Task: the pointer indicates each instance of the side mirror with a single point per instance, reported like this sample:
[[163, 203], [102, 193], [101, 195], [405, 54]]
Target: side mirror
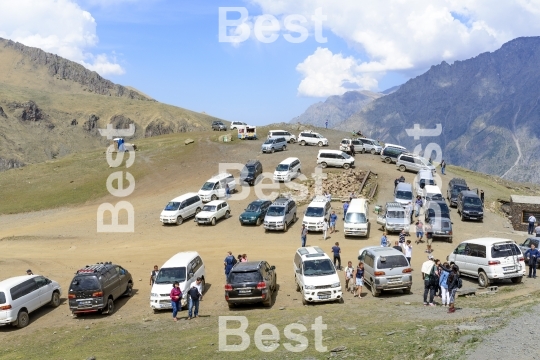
[[191, 274]]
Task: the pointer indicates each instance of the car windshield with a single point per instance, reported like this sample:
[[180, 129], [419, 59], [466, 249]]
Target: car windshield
[[170, 275], [434, 197], [244, 277], [404, 195], [355, 218], [2, 298], [393, 261], [253, 207], [396, 214], [282, 167], [427, 182], [472, 201], [209, 208], [457, 189], [208, 186], [82, 283], [269, 141], [173, 205], [318, 267], [249, 169], [504, 250], [315, 211], [275, 211]]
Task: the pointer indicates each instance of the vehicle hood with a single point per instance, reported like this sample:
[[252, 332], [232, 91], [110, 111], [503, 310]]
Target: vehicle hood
[[274, 218], [397, 221], [166, 288], [205, 192], [169, 213], [205, 214], [472, 208], [313, 219], [249, 214], [321, 280]]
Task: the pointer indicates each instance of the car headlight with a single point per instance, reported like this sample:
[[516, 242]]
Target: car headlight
[[465, 211], [334, 285], [480, 213], [309, 287], [280, 222], [253, 218]]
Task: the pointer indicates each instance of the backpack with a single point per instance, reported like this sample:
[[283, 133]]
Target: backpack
[[433, 278]]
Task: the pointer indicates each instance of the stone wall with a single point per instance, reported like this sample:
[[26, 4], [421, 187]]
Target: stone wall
[[516, 214]]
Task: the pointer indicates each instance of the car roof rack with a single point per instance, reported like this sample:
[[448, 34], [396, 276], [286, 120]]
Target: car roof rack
[[94, 268]]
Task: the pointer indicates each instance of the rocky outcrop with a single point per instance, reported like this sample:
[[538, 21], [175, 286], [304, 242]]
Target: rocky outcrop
[[2, 113], [74, 122], [6, 164], [91, 123], [158, 127], [29, 111], [121, 122]]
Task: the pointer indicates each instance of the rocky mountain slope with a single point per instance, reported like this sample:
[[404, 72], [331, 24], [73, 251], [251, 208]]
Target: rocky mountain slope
[[488, 107], [50, 107]]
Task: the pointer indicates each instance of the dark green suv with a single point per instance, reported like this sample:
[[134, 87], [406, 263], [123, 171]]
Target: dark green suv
[[255, 212]]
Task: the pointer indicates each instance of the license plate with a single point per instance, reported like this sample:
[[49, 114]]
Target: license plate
[[311, 228], [509, 268], [472, 218], [324, 297], [85, 302], [244, 291]]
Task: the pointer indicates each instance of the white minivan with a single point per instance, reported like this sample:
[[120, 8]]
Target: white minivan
[[315, 276], [21, 295], [317, 213], [423, 177], [334, 158], [184, 267], [282, 133], [214, 187], [432, 192], [357, 219], [288, 169], [181, 208]]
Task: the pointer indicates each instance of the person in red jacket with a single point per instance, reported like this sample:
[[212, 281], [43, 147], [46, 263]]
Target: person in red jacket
[[176, 296]]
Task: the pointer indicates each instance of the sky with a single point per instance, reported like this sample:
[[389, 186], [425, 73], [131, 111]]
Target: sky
[[264, 61]]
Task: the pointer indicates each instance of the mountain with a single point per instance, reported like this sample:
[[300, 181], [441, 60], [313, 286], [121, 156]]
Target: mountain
[[50, 107], [391, 90], [336, 108], [488, 107]]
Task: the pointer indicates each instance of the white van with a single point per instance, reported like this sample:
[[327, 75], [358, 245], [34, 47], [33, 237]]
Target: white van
[[423, 178], [357, 219], [181, 208], [317, 213], [214, 187], [334, 158], [21, 295], [315, 276], [432, 192], [288, 169], [403, 193], [184, 267], [282, 133]]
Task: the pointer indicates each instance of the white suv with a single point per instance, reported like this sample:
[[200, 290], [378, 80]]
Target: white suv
[[212, 212], [236, 124], [317, 213], [312, 138], [282, 133], [413, 162]]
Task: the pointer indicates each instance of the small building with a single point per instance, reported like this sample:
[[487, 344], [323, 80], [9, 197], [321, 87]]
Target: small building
[[520, 208]]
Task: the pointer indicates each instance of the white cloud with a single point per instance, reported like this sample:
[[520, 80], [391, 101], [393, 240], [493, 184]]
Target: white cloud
[[409, 36], [57, 26]]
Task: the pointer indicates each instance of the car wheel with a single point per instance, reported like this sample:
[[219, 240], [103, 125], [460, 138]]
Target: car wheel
[[374, 291], [272, 150], [129, 290], [292, 141], [268, 301], [320, 143], [55, 300], [303, 143], [298, 287], [407, 290], [22, 319], [259, 222], [231, 305], [517, 280], [346, 166], [283, 148], [285, 227], [304, 301], [324, 165], [213, 222], [483, 280], [179, 220], [388, 160], [214, 197], [227, 214], [373, 152], [294, 218], [402, 168], [110, 307], [197, 211]]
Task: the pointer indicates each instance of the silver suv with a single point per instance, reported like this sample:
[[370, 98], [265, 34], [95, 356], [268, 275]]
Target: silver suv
[[393, 218], [413, 162], [312, 138], [273, 144], [280, 215], [371, 146], [385, 269]]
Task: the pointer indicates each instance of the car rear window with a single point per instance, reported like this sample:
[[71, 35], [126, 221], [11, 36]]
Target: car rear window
[[83, 283], [504, 250], [244, 277], [392, 261], [2, 298]]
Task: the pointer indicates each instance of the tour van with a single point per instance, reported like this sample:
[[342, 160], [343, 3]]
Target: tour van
[[181, 208], [288, 169], [357, 219], [315, 276], [432, 192], [184, 267], [403, 193], [214, 187], [317, 213], [423, 177], [336, 158], [393, 218]]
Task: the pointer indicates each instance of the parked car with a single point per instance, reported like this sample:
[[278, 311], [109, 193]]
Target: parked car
[[21, 295], [218, 126], [212, 212], [255, 212], [470, 206], [526, 245], [385, 268], [423, 178], [489, 259], [336, 158], [215, 187], [441, 228], [436, 208], [413, 162], [181, 208], [371, 146], [251, 282], [312, 138], [391, 152], [317, 213], [393, 218], [236, 124], [345, 146], [455, 186], [280, 215], [357, 219], [96, 287], [273, 144], [288, 169], [403, 193], [251, 172], [282, 133]]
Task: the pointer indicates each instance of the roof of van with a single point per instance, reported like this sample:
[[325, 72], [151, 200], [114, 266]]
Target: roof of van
[[381, 251], [318, 201], [488, 241], [184, 197], [277, 130], [356, 204], [288, 160], [433, 189], [219, 177], [182, 258], [8, 283], [394, 204], [311, 252], [403, 186], [330, 151]]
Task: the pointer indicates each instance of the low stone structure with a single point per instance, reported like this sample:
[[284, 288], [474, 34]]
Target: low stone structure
[[520, 208]]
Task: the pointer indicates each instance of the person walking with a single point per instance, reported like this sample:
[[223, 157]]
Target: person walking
[[337, 255], [345, 209], [429, 236], [408, 251], [153, 275], [409, 212], [333, 219], [352, 149], [176, 296], [443, 278], [325, 228], [326, 124], [228, 263], [428, 274], [303, 235], [532, 221], [537, 230], [244, 258], [418, 205], [349, 271], [419, 232], [532, 256], [384, 240], [359, 279], [453, 285], [443, 167], [227, 191], [402, 238], [194, 295]]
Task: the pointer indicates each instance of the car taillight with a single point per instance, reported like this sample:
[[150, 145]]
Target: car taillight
[[261, 285], [521, 259], [5, 307], [228, 287], [494, 262], [379, 273], [407, 270], [98, 294], [71, 296], [450, 233]]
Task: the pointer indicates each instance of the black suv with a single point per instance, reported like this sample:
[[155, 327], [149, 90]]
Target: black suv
[[218, 125], [390, 154], [251, 171], [251, 282], [95, 287], [437, 208], [469, 206], [455, 186]]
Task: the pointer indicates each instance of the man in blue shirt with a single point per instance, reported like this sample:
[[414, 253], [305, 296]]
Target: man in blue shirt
[[229, 263], [333, 219], [337, 255], [532, 255], [384, 240], [345, 208]]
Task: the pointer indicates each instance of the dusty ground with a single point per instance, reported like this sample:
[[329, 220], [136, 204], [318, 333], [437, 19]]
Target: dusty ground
[[57, 242]]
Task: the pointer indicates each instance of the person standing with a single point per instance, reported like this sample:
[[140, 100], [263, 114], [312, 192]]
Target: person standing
[[153, 275], [453, 285], [408, 251], [337, 255], [419, 232], [345, 209], [328, 197], [352, 149], [349, 271], [443, 167], [397, 246], [29, 272], [244, 258], [325, 228], [532, 221], [402, 238], [482, 196], [384, 240], [326, 123], [409, 212], [333, 219], [428, 274], [443, 278], [176, 296], [532, 256], [418, 204], [303, 235], [194, 295], [227, 191], [229, 263], [359, 279], [429, 236], [438, 273]]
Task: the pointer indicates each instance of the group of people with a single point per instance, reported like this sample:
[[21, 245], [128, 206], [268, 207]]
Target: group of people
[[442, 280], [230, 261], [401, 245], [532, 229], [355, 287]]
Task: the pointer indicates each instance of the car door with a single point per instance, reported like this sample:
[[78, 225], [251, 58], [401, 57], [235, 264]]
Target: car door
[[381, 218], [44, 290], [122, 280], [26, 295], [112, 284], [461, 254]]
